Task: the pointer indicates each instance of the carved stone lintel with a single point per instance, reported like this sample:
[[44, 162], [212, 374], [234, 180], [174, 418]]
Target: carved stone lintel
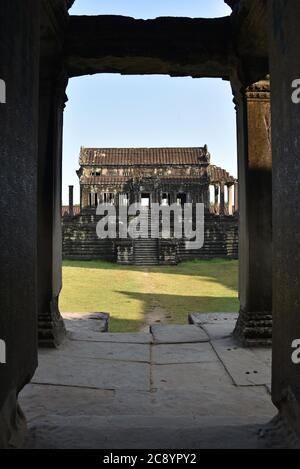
[[259, 90], [254, 329], [256, 91]]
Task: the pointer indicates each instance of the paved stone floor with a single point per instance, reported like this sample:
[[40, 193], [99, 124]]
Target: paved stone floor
[[174, 387]]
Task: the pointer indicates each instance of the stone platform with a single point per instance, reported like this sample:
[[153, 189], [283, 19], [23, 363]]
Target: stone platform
[[174, 387]]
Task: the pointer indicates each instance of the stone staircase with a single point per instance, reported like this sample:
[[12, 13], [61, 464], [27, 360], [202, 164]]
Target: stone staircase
[[146, 251]]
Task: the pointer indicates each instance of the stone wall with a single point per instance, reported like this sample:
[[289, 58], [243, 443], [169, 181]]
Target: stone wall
[[221, 235], [80, 242]]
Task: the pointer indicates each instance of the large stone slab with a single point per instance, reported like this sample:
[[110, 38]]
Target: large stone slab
[[175, 334], [190, 377], [78, 322], [38, 401], [103, 350], [200, 319], [245, 367], [125, 337], [183, 353], [263, 354], [61, 370], [216, 325]]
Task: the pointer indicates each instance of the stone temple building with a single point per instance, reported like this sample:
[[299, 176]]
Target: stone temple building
[[166, 176], [147, 175], [256, 49]]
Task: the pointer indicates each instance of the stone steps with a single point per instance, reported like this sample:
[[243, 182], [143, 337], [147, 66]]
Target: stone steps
[[136, 431], [145, 252]]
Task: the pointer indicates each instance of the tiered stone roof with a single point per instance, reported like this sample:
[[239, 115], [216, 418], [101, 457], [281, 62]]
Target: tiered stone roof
[[143, 156]]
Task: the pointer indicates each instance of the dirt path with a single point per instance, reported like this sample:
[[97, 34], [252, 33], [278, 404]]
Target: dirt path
[[157, 314]]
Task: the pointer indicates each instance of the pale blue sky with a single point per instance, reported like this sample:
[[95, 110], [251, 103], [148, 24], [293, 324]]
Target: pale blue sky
[[135, 111]]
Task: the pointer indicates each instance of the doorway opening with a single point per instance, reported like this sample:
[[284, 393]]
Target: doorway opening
[[145, 199], [148, 153], [152, 340]]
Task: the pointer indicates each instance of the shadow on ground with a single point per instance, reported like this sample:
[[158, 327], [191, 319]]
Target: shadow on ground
[[138, 296]]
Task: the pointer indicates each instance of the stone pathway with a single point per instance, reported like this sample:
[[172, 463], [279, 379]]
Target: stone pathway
[[157, 314], [173, 387]]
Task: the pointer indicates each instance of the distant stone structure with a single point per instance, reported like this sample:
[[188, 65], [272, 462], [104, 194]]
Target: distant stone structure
[[122, 176]]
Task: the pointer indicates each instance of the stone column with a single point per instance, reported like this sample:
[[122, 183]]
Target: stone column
[[19, 68], [254, 325], [49, 246], [85, 198], [222, 198], [81, 201], [101, 197], [216, 198], [173, 197], [160, 196], [71, 200], [156, 196], [230, 199], [284, 42], [236, 197]]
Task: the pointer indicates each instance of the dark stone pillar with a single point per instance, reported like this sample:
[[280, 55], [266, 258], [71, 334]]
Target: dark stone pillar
[[71, 200], [222, 198], [254, 325], [84, 197], [285, 68], [173, 197], [53, 82], [52, 99], [19, 68], [216, 198], [236, 197]]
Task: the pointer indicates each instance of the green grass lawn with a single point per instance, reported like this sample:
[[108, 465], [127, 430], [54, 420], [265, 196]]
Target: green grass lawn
[[133, 295]]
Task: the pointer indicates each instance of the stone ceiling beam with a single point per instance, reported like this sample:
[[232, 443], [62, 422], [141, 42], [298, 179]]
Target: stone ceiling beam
[[250, 30], [171, 46]]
